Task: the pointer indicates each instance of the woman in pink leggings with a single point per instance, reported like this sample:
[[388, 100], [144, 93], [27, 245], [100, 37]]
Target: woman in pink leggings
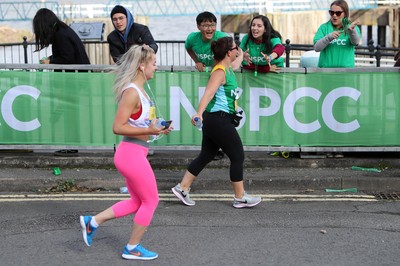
[[135, 123]]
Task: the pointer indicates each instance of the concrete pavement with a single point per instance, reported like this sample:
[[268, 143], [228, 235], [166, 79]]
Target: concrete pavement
[[93, 170]]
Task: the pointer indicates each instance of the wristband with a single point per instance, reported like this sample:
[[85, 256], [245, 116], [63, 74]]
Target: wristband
[[270, 58]]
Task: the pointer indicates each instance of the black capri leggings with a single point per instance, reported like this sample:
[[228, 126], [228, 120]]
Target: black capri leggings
[[219, 133]]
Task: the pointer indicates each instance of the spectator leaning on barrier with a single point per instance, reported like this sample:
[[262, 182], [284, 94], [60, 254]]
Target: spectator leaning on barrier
[[127, 33], [66, 46], [337, 38], [198, 44], [262, 47], [336, 41], [262, 50]]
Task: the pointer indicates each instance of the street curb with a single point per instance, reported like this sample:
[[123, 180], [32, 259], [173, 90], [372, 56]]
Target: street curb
[[180, 159], [34, 172]]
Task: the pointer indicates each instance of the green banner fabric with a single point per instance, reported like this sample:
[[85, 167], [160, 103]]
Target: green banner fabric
[[286, 109], [56, 108]]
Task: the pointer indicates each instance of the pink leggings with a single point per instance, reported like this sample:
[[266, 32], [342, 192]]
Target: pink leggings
[[130, 160]]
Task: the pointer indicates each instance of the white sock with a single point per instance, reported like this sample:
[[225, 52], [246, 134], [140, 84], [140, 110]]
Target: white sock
[[239, 198], [130, 247], [93, 222]]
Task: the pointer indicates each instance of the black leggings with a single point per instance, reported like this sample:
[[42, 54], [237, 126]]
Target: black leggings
[[219, 133]]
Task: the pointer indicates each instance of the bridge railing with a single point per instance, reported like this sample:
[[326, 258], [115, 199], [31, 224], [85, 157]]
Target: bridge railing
[[26, 9]]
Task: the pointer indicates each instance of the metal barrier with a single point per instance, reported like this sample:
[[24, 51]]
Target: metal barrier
[[173, 54], [170, 53], [165, 68], [386, 92], [369, 54]]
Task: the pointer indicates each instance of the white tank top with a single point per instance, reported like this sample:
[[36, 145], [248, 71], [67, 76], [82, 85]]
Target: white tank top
[[144, 119]]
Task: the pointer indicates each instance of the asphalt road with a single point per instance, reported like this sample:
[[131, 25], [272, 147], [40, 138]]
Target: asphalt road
[[282, 230]]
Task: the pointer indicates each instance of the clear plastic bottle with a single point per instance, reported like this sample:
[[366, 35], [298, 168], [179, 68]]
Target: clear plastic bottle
[[161, 123], [198, 123], [123, 190]]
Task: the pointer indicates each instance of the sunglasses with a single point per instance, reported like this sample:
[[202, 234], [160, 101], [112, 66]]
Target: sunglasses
[[236, 47], [337, 13]]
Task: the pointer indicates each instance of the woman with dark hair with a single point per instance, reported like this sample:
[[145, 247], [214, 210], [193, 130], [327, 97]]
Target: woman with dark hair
[[337, 38], [217, 110], [262, 47], [66, 46]]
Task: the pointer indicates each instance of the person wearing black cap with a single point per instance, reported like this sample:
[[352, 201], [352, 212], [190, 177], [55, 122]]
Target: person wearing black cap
[[127, 33]]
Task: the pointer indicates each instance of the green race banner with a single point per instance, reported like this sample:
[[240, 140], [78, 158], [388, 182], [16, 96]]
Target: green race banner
[[56, 108], [286, 109]]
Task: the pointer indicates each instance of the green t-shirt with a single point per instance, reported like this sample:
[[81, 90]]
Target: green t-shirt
[[255, 51], [340, 52], [226, 95], [201, 48]]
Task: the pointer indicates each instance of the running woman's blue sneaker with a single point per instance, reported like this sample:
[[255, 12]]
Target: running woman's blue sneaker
[[139, 253], [87, 229]]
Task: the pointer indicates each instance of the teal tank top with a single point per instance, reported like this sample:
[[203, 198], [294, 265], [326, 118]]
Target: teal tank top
[[226, 95]]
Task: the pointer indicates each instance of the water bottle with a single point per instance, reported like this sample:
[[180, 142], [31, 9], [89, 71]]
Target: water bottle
[[197, 122], [123, 190], [161, 123]]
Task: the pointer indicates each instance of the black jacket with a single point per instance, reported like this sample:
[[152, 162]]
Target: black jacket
[[138, 34], [67, 48]]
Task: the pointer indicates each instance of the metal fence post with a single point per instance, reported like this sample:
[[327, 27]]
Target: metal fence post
[[25, 45], [287, 51], [371, 48], [378, 55]]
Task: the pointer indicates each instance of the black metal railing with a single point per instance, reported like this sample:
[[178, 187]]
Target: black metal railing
[[173, 53], [370, 51]]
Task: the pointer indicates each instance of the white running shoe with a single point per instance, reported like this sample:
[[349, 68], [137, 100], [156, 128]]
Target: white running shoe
[[183, 195], [246, 202]]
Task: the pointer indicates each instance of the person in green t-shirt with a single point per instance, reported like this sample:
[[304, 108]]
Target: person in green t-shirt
[[337, 38], [198, 44], [262, 47]]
